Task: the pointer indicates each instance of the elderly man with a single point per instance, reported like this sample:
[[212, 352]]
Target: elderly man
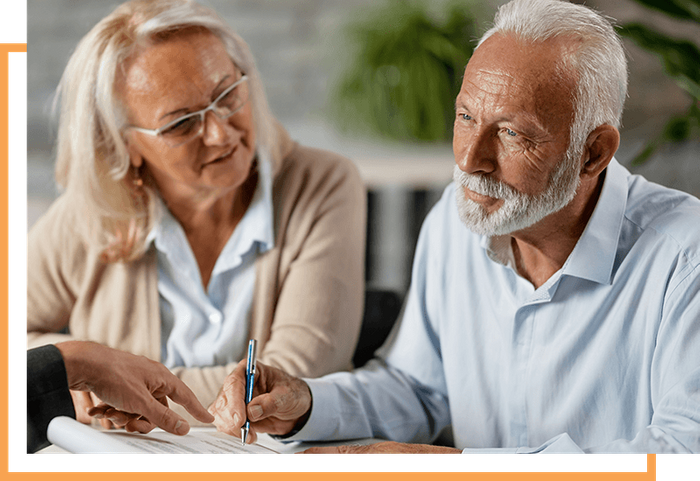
[[554, 304]]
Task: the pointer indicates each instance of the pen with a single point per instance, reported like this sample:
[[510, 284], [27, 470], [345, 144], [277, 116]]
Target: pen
[[249, 383]]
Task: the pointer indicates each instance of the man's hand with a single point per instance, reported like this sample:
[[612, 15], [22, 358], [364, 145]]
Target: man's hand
[[133, 389], [84, 404], [388, 447], [279, 401]]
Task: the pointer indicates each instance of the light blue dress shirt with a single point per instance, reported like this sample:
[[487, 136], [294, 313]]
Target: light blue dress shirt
[[210, 327], [604, 357]]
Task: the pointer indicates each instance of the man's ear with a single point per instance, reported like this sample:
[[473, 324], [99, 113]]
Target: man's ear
[[601, 145]]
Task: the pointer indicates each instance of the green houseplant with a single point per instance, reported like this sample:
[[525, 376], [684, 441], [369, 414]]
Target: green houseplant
[[681, 60], [405, 71]]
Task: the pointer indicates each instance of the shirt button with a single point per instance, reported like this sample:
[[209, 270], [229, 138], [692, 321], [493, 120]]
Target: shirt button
[[215, 317]]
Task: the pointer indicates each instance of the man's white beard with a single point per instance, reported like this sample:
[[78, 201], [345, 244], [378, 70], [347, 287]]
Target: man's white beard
[[518, 210]]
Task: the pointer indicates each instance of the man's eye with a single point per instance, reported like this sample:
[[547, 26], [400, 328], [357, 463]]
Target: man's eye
[[510, 132], [466, 117]]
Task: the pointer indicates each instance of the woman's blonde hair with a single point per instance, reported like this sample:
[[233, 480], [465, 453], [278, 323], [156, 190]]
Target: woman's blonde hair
[[113, 212]]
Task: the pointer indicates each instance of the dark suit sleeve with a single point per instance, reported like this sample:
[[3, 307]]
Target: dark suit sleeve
[[47, 394]]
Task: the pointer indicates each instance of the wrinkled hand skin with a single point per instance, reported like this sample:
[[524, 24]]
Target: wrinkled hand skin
[[279, 401], [387, 447]]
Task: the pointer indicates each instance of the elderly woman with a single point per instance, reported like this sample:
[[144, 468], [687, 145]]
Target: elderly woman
[[190, 222]]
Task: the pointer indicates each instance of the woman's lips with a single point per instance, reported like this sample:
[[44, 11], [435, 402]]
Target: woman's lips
[[221, 159]]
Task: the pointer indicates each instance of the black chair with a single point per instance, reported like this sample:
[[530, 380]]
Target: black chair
[[382, 308]]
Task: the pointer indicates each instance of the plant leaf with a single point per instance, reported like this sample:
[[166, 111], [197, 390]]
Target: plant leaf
[[681, 58], [405, 73], [682, 9]]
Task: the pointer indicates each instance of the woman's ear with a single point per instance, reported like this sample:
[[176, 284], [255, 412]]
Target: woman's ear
[[135, 157], [601, 145]]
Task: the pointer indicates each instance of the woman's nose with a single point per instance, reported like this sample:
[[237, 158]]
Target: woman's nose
[[215, 130]]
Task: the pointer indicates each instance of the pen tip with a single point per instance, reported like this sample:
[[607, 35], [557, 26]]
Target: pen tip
[[244, 435]]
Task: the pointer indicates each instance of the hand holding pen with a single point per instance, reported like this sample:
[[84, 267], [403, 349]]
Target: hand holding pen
[[249, 383], [281, 404]]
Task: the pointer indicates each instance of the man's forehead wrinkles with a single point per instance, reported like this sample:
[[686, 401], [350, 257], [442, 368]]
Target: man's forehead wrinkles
[[497, 81]]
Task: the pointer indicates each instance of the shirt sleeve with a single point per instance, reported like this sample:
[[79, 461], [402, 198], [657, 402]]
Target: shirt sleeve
[[50, 292], [374, 401], [47, 394]]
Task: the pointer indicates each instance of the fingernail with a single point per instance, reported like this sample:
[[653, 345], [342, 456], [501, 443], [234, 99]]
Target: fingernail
[[182, 427], [98, 416], [236, 419], [220, 403], [255, 412]]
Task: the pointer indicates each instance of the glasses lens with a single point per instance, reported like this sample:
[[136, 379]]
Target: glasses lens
[[182, 130], [232, 101], [186, 128]]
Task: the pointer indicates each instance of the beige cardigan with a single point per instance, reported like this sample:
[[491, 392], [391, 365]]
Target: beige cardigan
[[308, 299]]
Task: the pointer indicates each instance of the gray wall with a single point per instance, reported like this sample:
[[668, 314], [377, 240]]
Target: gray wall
[[299, 50]]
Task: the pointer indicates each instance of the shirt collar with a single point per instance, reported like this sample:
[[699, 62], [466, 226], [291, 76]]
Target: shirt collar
[[499, 249], [256, 226], [593, 256], [257, 223]]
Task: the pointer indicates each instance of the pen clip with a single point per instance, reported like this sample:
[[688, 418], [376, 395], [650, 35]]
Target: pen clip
[[250, 370], [252, 355]]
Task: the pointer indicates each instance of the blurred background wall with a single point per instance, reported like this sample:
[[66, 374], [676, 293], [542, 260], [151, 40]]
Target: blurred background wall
[[300, 50]]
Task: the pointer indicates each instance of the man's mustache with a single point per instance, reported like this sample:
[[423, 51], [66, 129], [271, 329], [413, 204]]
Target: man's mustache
[[484, 185]]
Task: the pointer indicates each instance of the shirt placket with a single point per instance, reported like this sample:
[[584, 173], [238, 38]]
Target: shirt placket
[[522, 347], [521, 369]]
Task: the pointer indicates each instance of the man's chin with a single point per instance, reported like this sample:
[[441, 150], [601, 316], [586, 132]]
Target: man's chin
[[477, 219], [496, 223]]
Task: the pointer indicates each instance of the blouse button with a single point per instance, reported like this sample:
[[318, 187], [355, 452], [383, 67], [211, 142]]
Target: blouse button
[[215, 317]]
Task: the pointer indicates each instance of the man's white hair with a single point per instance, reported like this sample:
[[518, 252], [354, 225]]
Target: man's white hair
[[92, 163], [597, 59]]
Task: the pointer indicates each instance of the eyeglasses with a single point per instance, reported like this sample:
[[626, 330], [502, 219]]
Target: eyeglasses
[[190, 126]]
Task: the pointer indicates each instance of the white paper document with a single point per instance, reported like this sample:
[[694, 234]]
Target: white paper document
[[75, 437]]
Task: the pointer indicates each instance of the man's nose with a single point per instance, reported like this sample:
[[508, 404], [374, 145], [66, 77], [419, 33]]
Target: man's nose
[[475, 151]]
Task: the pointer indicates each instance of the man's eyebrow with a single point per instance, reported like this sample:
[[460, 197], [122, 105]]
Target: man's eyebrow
[[531, 121], [459, 102]]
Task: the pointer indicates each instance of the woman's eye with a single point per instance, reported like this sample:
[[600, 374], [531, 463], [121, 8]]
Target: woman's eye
[[182, 127], [231, 100]]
